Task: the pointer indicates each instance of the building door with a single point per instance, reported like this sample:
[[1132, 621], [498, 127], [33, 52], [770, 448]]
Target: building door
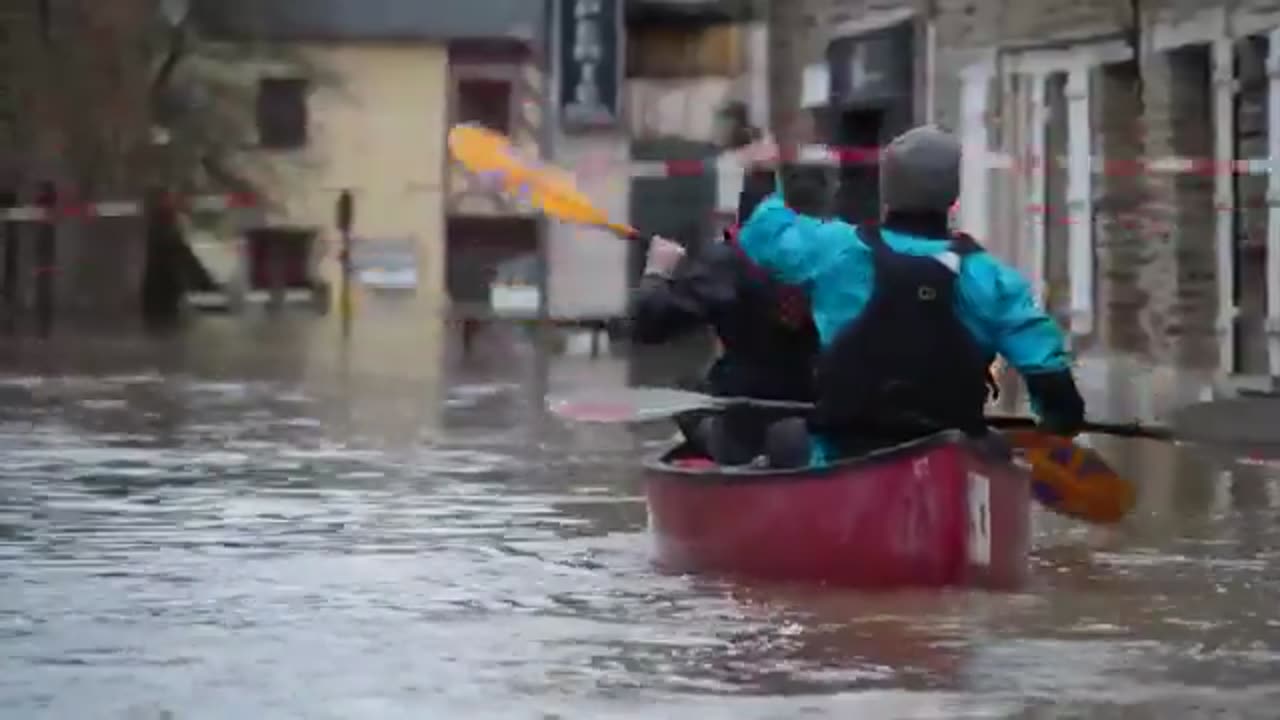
[[476, 247], [680, 208], [1251, 208]]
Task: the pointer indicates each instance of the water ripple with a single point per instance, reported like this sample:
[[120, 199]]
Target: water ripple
[[186, 548]]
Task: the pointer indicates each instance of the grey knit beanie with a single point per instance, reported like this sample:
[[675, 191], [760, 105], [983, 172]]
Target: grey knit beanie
[[920, 171]]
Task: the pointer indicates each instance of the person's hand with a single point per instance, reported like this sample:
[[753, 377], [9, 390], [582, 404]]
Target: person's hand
[[1056, 400], [761, 154], [663, 256]]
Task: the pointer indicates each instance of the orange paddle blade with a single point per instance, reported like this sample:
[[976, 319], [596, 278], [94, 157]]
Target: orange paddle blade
[[1073, 480], [492, 156]]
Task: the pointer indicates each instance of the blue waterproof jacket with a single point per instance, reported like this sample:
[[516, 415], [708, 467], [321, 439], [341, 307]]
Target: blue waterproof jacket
[[993, 300]]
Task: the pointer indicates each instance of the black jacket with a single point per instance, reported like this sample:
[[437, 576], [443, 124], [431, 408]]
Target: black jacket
[[767, 333]]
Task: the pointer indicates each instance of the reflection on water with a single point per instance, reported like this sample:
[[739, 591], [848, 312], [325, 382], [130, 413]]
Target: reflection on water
[[250, 521]]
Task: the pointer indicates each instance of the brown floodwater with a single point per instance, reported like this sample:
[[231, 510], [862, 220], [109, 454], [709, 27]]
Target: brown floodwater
[[254, 519]]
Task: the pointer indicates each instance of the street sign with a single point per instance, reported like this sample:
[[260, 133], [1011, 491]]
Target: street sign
[[590, 63], [385, 263], [345, 211], [874, 67]]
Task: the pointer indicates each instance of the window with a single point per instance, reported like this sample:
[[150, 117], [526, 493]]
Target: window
[[279, 255], [282, 113], [485, 102]]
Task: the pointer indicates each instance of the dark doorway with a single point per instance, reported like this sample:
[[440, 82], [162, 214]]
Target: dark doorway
[[1251, 209], [678, 207], [476, 247], [858, 197], [9, 274]]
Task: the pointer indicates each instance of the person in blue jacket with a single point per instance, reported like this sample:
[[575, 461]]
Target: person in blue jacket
[[910, 316]]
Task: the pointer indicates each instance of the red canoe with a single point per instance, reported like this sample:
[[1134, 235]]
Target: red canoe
[[941, 511]]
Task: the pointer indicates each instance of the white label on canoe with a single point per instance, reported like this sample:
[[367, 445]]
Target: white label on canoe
[[979, 519]]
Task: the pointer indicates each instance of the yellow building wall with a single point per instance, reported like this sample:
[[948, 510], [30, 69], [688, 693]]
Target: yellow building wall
[[376, 126]]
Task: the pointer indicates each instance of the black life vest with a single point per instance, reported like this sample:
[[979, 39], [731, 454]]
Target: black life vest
[[791, 303], [906, 366]]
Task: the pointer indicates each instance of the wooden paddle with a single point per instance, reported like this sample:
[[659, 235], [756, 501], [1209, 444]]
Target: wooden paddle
[[649, 404], [1069, 479], [633, 405], [491, 155]]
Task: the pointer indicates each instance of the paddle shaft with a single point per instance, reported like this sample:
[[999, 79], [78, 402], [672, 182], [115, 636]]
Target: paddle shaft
[[724, 402], [625, 232], [1131, 430]]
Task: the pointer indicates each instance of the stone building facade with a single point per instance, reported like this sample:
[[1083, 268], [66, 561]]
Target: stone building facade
[[1115, 149]]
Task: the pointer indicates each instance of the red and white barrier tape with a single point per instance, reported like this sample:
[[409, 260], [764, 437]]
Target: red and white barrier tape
[[836, 157], [126, 208], [821, 155]]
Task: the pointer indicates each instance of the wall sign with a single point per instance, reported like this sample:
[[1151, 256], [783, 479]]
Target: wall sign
[[590, 63], [386, 263], [874, 67]]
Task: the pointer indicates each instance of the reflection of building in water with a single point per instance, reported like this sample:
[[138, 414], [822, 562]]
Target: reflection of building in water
[[391, 367]]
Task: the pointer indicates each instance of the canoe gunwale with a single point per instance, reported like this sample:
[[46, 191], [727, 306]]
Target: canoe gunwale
[[657, 464]]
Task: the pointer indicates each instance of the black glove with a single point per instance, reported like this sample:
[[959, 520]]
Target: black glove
[[1057, 401]]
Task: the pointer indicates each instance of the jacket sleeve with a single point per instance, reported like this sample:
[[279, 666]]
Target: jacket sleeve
[[1028, 338], [794, 248], [756, 186], [662, 309], [702, 285]]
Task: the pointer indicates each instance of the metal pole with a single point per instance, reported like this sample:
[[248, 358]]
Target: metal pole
[[546, 150], [345, 212], [346, 282], [46, 258]]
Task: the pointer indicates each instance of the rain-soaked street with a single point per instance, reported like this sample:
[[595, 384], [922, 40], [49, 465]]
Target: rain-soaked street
[[246, 522]]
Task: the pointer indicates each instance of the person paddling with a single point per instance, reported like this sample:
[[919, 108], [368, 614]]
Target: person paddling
[[767, 338], [909, 315]]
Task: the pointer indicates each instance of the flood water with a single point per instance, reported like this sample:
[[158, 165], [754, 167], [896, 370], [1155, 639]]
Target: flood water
[[250, 522]]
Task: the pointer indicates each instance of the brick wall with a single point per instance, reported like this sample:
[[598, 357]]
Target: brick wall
[[1120, 198], [1179, 121], [1155, 273]]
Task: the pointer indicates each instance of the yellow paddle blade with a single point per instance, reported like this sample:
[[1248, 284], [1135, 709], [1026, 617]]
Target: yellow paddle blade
[[483, 151], [492, 156], [1073, 480], [555, 192]]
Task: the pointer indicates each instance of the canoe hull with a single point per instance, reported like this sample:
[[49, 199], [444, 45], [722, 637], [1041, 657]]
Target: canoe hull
[[938, 512]]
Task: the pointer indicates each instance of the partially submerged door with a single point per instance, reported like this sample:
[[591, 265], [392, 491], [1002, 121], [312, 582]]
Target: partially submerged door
[[680, 207], [477, 247]]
